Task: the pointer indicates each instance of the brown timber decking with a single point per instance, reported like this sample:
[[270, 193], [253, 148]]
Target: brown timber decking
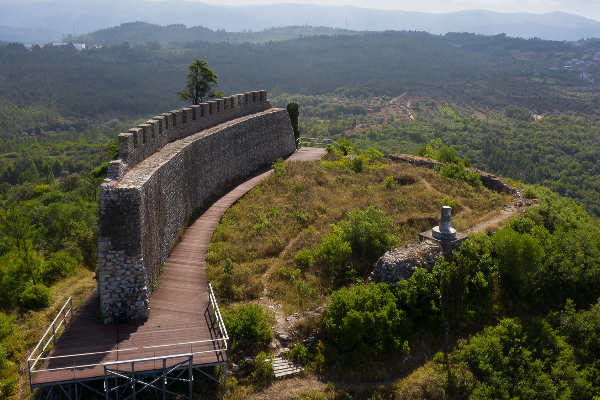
[[179, 310]]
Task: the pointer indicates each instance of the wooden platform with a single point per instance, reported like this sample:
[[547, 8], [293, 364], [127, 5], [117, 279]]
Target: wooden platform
[[179, 310], [283, 367]]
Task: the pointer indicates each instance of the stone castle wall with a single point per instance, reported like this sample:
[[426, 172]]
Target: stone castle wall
[[163, 175]]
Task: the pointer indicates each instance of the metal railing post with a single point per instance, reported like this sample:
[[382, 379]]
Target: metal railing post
[[164, 379], [54, 334], [133, 379], [190, 373], [29, 369], [105, 384]]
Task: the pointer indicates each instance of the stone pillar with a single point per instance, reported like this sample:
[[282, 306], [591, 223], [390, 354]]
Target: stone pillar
[[444, 231], [445, 219]]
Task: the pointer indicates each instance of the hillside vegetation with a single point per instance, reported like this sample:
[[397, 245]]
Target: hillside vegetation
[[305, 230], [515, 302]]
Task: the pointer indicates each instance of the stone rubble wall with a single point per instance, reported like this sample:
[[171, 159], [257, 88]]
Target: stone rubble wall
[[142, 209], [489, 181], [401, 263]]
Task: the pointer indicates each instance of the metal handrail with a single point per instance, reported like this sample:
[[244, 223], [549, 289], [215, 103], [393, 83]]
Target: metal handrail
[[212, 303], [124, 350], [54, 330], [124, 361], [316, 141], [220, 321]]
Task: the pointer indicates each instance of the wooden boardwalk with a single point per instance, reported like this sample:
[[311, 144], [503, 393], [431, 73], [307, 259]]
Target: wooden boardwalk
[[179, 310]]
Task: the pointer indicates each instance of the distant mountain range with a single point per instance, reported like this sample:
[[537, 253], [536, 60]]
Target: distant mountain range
[[44, 21]]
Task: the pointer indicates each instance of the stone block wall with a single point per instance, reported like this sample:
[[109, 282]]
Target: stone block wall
[[146, 197]]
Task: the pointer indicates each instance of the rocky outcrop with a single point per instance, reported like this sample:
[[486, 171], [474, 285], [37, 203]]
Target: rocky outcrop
[[401, 263]]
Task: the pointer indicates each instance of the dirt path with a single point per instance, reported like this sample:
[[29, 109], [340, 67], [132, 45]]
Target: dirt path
[[515, 207], [392, 101]]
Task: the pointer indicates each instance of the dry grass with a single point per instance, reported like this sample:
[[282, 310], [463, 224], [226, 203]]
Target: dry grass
[[295, 209]]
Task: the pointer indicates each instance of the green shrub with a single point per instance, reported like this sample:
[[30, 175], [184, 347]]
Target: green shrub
[[263, 369], [520, 113], [304, 258], [6, 325], [299, 354], [35, 297], [529, 193], [334, 251], [58, 265], [8, 387], [388, 182], [345, 146], [582, 330], [373, 155], [368, 232], [278, 166], [447, 155], [357, 164], [366, 321], [471, 272], [456, 171], [41, 189], [519, 257], [439, 358], [249, 330], [515, 360], [450, 203], [100, 171]]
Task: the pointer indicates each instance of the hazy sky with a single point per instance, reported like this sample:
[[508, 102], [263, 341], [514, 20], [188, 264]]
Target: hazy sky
[[585, 8]]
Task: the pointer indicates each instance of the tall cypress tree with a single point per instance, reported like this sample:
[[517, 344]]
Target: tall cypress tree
[[292, 109]]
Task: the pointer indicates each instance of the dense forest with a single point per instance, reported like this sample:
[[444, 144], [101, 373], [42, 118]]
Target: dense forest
[[521, 303], [59, 87], [175, 36]]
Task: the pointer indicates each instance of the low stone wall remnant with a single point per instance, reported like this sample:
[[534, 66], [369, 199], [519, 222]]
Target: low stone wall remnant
[[166, 169], [401, 263], [489, 181]]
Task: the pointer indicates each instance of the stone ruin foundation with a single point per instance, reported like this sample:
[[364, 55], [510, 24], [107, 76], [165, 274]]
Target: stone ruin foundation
[[401, 263]]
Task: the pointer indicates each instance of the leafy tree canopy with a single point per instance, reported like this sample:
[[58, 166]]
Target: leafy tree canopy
[[201, 81]]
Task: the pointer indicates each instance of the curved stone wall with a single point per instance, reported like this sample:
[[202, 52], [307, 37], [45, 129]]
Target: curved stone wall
[[145, 199]]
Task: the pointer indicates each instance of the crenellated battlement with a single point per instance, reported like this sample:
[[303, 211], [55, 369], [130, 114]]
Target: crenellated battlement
[[146, 139]]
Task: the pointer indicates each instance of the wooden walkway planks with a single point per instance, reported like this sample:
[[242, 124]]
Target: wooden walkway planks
[[283, 367], [178, 308]]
